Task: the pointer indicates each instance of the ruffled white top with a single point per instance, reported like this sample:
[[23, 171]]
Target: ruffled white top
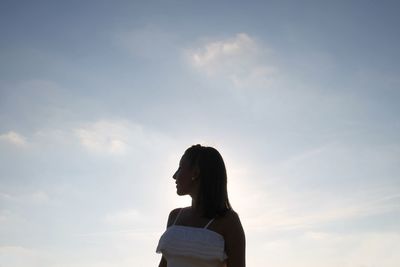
[[185, 246]]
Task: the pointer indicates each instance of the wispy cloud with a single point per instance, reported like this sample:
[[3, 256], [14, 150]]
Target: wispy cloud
[[13, 138], [287, 215], [110, 137], [238, 59], [215, 53], [118, 137], [282, 206], [34, 197]]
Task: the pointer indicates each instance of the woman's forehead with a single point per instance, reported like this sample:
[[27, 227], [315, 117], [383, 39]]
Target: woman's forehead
[[184, 159]]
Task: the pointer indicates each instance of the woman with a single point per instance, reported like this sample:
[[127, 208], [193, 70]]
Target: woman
[[208, 233]]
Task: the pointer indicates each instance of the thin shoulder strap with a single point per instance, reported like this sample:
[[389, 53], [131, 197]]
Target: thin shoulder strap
[[208, 224], [177, 216]]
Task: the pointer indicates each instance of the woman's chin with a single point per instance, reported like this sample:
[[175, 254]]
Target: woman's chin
[[180, 192]]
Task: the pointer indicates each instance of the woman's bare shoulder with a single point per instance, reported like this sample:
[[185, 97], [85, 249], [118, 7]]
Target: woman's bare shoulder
[[230, 217], [172, 216], [230, 222]]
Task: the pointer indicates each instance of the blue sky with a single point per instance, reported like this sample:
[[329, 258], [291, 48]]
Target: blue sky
[[99, 99]]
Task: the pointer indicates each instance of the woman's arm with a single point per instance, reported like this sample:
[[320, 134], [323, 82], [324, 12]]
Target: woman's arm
[[235, 241], [171, 219]]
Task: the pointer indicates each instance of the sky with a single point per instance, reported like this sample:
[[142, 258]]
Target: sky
[[99, 99]]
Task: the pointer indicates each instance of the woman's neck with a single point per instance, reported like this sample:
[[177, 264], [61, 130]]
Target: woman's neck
[[196, 207]]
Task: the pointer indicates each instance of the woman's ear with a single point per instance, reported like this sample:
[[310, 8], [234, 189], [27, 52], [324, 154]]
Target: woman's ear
[[196, 172]]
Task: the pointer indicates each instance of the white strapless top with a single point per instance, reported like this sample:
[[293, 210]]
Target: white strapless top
[[185, 246]]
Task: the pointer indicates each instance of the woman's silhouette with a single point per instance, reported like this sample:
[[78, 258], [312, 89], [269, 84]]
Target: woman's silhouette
[[208, 233]]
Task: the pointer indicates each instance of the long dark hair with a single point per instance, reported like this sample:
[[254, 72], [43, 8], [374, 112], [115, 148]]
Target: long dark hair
[[212, 196]]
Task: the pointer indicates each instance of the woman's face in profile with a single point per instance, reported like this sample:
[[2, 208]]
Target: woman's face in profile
[[183, 177]]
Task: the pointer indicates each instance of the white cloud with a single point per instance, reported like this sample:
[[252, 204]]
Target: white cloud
[[111, 137], [119, 137], [215, 53], [13, 138], [237, 59]]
